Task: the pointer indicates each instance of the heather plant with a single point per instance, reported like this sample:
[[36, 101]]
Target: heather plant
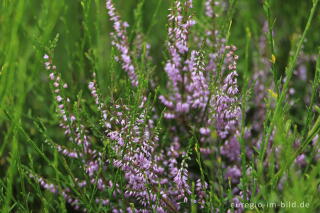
[[157, 106]]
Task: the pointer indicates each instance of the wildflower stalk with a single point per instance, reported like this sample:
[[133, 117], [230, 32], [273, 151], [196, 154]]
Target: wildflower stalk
[[267, 6], [121, 42]]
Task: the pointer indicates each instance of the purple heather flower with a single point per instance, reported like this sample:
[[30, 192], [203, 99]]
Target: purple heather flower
[[234, 174], [209, 9], [187, 84], [201, 188], [204, 131], [55, 189], [120, 41], [181, 180], [155, 177], [228, 111], [231, 149], [301, 160]]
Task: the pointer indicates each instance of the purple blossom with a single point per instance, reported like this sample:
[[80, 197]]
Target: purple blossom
[[209, 9], [181, 180], [228, 111], [231, 149], [155, 177], [301, 160], [234, 174], [201, 188], [120, 41], [55, 189]]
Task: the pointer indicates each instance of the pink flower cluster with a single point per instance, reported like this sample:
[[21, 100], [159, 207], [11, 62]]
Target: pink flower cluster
[[120, 41]]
